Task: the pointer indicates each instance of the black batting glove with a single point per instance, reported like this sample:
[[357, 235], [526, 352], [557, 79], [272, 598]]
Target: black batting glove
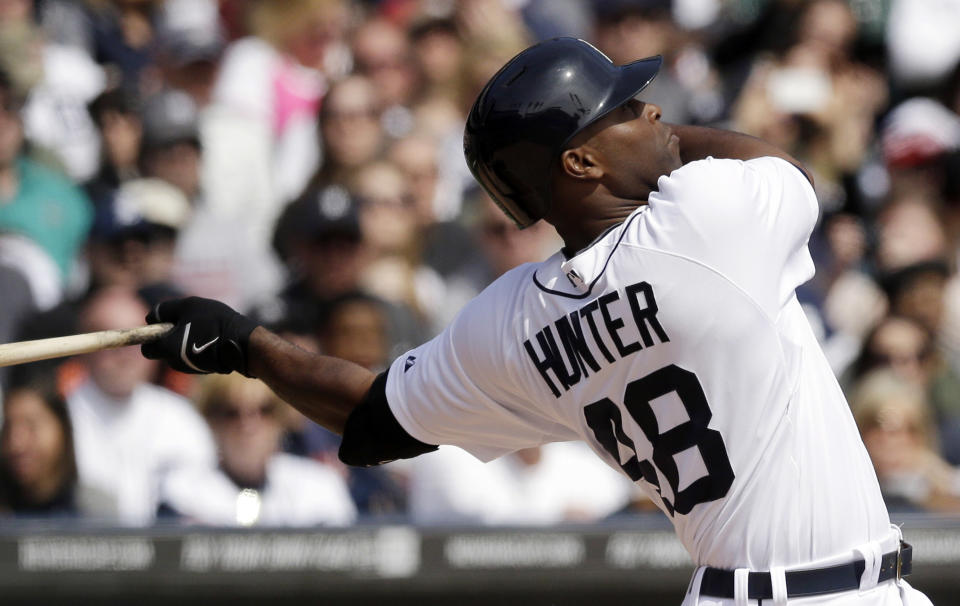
[[207, 336]]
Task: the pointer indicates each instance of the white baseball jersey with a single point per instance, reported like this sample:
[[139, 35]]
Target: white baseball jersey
[[675, 347]]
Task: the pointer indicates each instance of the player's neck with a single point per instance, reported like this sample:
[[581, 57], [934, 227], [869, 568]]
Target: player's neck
[[580, 229]]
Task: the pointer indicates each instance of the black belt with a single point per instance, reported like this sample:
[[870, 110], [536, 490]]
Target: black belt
[[832, 579]]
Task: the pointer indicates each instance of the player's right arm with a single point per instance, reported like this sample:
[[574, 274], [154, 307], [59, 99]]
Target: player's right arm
[[699, 142]]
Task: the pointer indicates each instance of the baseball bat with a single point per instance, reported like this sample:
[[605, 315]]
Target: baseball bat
[[58, 347]]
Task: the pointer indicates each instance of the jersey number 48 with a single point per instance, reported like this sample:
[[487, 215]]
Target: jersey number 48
[[604, 418]]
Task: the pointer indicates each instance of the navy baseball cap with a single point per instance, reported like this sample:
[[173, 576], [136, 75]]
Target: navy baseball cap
[[170, 117], [139, 207]]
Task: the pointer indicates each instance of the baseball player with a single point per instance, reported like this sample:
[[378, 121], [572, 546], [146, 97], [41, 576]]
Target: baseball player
[[665, 334]]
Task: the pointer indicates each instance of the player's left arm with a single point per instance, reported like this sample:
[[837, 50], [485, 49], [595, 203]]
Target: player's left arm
[[348, 399], [699, 142], [339, 395], [324, 388]]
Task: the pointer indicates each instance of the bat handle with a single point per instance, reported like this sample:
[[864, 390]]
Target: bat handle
[[58, 347]]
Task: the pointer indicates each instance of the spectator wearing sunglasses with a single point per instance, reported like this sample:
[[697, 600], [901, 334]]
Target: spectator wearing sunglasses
[[255, 483], [896, 422], [908, 349]]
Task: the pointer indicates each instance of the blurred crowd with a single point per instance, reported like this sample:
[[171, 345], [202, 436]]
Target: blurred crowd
[[301, 160]]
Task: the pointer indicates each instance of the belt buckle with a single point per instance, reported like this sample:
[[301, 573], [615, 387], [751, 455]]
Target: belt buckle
[[899, 560]]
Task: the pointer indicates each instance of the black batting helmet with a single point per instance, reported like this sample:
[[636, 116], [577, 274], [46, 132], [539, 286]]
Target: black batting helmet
[[529, 111]]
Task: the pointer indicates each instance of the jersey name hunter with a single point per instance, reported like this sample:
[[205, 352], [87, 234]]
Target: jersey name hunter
[[563, 348]]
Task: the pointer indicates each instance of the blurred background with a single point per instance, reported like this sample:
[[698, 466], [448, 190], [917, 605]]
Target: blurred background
[[302, 161]]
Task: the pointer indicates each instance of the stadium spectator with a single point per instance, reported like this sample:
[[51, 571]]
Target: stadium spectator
[[116, 113], [190, 42], [350, 130], [437, 51], [436, 192], [895, 421], [38, 471], [128, 433], [901, 345], [381, 51], [356, 326], [124, 32], [392, 234], [35, 201], [171, 141], [921, 42], [134, 234], [627, 31], [909, 350], [255, 483], [502, 247], [57, 81], [815, 99], [320, 238], [269, 87]]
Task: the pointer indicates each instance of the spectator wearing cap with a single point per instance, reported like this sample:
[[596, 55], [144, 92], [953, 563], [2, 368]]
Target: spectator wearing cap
[[919, 130], [319, 238], [916, 137], [189, 46], [134, 234], [35, 201], [171, 141]]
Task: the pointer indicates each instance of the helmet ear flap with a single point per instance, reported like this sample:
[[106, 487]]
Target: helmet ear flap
[[526, 114]]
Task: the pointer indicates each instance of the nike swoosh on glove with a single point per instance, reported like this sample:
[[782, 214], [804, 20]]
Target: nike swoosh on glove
[[208, 336]]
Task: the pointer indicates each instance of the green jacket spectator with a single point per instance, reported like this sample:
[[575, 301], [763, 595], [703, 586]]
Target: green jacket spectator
[[49, 209]]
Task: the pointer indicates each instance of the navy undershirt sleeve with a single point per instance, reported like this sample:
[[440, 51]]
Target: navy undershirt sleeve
[[372, 435]]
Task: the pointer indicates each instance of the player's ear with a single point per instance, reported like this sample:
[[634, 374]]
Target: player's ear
[[580, 163]]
